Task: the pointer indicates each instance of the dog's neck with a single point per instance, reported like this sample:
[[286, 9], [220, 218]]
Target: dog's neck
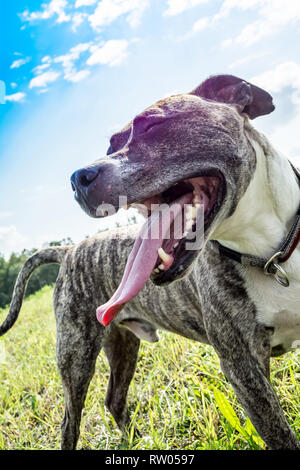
[[267, 209]]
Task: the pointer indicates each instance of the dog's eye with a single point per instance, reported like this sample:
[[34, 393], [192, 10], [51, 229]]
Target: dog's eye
[[143, 124], [151, 125]]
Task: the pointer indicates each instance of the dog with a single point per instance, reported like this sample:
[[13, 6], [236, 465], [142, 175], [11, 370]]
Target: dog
[[238, 291]]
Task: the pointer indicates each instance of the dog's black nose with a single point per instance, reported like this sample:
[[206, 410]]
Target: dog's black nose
[[81, 179]]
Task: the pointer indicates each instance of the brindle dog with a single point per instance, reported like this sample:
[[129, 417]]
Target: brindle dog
[[196, 145]]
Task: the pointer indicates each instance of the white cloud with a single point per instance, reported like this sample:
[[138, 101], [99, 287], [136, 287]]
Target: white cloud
[[13, 84], [109, 10], [80, 3], [229, 5], [286, 74], [40, 68], [247, 59], [178, 6], [10, 240], [19, 62], [68, 61], [273, 16], [43, 79], [105, 12], [113, 52], [199, 25], [283, 138], [134, 18], [41, 91], [45, 59], [55, 7], [77, 19], [16, 97], [75, 76]]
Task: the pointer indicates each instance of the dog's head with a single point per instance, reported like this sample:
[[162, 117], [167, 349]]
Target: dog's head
[[188, 149]]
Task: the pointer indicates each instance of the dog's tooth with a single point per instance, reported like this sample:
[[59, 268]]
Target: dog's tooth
[[161, 267], [189, 212], [194, 212], [163, 255], [156, 270], [102, 212], [189, 224], [196, 199]]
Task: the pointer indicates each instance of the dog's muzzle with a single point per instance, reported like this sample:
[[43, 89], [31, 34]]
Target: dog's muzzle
[[93, 185], [81, 183]]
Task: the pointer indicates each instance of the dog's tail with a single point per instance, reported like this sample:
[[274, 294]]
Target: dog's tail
[[50, 255]]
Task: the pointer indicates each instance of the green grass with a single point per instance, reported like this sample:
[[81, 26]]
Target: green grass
[[179, 398]]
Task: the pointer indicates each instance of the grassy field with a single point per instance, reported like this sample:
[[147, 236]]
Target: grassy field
[[179, 398]]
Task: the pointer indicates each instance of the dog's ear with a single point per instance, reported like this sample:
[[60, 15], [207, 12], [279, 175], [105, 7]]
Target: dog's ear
[[246, 98]]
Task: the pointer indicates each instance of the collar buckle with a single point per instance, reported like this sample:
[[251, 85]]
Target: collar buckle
[[272, 268]]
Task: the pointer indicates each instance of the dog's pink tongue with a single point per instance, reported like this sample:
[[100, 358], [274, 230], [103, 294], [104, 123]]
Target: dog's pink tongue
[[142, 259]]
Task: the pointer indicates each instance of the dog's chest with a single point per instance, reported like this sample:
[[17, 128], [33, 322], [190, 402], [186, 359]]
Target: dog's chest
[[278, 306]]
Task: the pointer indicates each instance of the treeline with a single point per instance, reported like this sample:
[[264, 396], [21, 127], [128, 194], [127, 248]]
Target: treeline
[[10, 269]]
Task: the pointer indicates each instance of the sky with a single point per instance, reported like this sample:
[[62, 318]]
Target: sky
[[76, 71]]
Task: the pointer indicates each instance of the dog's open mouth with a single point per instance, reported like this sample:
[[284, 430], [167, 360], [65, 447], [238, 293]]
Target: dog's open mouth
[[170, 239], [194, 202]]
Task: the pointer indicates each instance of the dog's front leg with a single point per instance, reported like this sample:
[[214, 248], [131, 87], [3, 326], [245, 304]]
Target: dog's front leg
[[121, 348], [244, 352]]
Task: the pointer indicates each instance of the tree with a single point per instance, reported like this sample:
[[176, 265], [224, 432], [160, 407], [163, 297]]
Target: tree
[[10, 269]]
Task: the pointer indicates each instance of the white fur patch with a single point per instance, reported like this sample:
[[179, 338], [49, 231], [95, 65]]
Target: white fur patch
[[261, 220]]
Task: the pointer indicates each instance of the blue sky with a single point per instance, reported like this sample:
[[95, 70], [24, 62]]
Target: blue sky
[[78, 70]]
